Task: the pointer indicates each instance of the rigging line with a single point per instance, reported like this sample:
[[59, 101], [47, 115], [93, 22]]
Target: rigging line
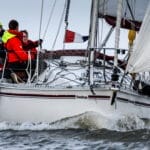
[[36, 74], [130, 10], [69, 73], [67, 12], [41, 17], [101, 33], [57, 76], [64, 77], [71, 80], [65, 73], [49, 19], [60, 23], [66, 19]]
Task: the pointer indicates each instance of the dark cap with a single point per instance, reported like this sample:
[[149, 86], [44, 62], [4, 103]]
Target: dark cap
[[13, 24]]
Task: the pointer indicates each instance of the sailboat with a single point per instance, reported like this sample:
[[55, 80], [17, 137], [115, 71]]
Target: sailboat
[[95, 79]]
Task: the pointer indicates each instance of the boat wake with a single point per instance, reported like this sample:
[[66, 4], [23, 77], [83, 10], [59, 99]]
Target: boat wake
[[87, 120]]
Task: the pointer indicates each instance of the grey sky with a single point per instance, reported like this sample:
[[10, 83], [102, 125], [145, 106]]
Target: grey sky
[[28, 12]]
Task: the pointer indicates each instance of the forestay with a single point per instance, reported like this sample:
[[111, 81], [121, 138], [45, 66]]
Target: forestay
[[140, 57]]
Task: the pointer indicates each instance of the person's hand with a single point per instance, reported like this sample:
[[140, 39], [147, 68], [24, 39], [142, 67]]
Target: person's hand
[[43, 51], [40, 41], [41, 55]]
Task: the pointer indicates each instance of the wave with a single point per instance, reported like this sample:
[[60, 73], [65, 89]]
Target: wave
[[87, 120]]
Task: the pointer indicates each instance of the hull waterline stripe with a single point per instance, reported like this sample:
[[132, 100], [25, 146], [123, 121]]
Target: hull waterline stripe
[[133, 102], [97, 97], [92, 97]]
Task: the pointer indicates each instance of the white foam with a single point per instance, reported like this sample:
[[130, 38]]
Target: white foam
[[88, 120]]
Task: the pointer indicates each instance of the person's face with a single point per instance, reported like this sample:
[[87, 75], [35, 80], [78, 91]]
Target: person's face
[[25, 38]]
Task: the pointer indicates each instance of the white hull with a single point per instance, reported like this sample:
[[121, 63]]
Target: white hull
[[48, 105]]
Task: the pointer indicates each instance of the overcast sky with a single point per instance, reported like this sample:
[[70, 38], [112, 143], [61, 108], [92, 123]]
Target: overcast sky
[[28, 13]]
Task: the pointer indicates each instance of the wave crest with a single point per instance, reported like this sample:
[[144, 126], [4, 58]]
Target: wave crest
[[87, 120]]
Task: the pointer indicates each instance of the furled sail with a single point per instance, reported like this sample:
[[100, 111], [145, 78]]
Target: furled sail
[[132, 14], [140, 57]]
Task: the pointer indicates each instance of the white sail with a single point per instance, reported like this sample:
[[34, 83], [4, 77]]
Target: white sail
[[140, 58]]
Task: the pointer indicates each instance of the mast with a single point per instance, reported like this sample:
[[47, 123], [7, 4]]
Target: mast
[[117, 33], [93, 37], [115, 76]]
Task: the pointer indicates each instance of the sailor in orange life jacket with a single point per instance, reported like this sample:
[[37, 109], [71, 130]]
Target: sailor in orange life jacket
[[17, 57]]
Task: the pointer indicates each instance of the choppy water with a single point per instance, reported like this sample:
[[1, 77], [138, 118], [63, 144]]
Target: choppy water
[[88, 131]]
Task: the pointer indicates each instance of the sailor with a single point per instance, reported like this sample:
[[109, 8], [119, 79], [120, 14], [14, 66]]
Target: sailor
[[30, 47], [1, 34], [17, 57], [2, 51]]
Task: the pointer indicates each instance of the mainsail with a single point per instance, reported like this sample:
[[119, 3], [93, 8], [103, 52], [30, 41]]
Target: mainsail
[[132, 15], [140, 57]]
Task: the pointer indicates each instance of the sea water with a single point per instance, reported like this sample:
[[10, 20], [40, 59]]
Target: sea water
[[88, 131]]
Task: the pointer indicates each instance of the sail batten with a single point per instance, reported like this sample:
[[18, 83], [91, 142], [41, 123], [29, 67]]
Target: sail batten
[[140, 57]]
